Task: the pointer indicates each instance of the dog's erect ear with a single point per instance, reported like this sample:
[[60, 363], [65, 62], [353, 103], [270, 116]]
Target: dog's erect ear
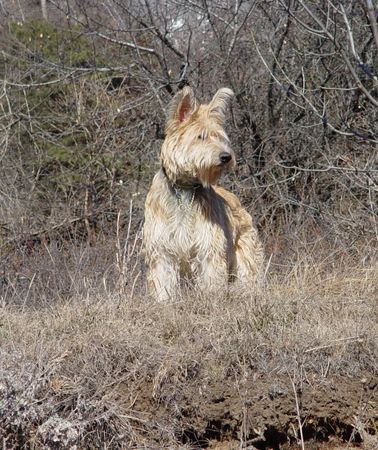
[[182, 105], [219, 103]]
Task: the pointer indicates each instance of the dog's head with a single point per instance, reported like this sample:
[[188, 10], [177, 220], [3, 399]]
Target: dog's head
[[196, 147]]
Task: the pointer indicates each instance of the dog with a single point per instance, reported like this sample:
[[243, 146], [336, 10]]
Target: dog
[[195, 231]]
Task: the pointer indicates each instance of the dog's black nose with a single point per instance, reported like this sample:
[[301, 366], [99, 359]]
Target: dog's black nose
[[225, 157]]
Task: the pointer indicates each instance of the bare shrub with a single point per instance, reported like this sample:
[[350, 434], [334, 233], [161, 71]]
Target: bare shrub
[[85, 93]]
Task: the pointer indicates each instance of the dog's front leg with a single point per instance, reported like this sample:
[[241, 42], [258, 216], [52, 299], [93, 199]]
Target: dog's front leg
[[213, 274], [163, 279]]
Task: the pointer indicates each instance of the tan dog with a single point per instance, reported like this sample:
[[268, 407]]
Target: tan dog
[[193, 229]]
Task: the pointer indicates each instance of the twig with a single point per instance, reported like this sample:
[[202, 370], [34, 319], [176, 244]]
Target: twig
[[342, 53], [373, 20], [298, 412], [335, 342], [43, 231]]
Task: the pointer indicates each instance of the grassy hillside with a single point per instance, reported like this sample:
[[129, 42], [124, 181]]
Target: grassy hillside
[[109, 367]]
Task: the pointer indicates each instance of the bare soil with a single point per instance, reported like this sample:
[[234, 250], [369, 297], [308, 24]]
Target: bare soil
[[260, 412]]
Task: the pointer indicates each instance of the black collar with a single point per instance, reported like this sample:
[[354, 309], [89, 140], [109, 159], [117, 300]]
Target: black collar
[[177, 186]]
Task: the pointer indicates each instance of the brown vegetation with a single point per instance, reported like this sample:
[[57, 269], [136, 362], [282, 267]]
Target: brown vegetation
[[122, 370], [86, 358]]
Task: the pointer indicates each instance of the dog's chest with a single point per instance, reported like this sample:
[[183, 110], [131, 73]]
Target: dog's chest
[[187, 232]]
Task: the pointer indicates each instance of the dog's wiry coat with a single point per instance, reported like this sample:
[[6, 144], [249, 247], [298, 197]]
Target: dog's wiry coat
[[195, 230]]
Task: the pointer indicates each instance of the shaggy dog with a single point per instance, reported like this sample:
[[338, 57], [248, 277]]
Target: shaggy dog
[[194, 230]]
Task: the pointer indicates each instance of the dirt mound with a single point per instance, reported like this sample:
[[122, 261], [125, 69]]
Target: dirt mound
[[262, 413]]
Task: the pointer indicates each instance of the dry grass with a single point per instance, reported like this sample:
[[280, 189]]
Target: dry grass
[[77, 370]]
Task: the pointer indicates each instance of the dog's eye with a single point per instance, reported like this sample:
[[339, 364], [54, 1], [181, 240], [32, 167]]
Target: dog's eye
[[201, 137]]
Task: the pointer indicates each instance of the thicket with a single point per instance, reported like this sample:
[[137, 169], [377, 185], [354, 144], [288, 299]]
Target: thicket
[[83, 102]]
